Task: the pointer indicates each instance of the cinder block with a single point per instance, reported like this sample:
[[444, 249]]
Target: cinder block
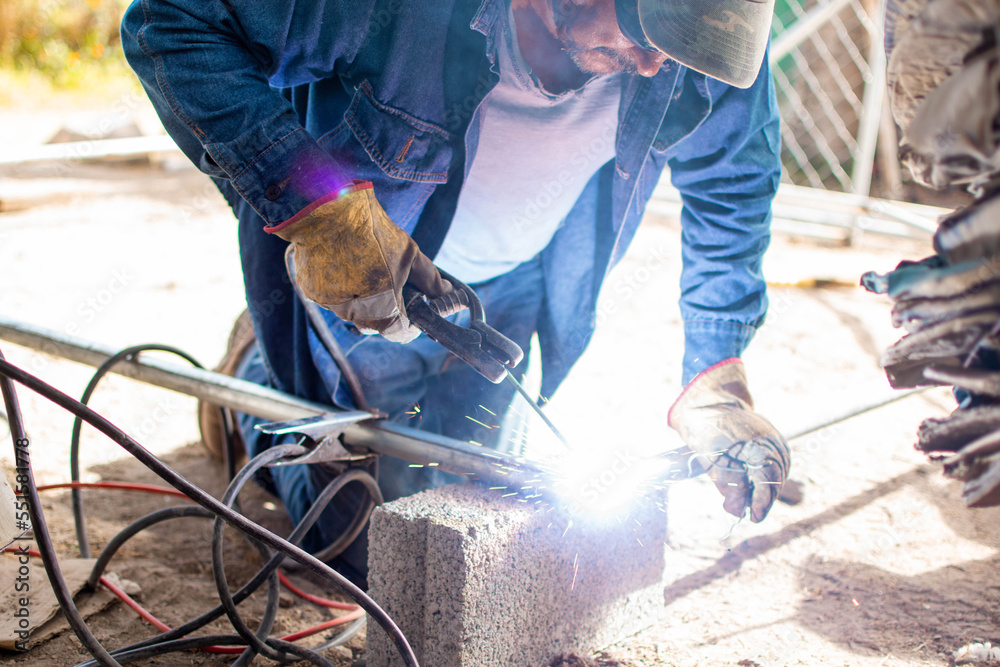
[[478, 580]]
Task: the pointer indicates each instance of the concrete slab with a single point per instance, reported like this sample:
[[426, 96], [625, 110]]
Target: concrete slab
[[475, 579]]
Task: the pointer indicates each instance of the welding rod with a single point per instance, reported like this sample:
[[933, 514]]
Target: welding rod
[[408, 444]]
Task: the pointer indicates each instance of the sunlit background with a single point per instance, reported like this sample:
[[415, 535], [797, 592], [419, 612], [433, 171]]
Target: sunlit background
[[58, 46]]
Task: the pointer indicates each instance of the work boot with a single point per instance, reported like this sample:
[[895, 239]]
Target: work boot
[[210, 422]]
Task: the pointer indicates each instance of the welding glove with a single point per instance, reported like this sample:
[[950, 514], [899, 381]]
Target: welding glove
[[916, 314], [741, 451], [970, 233], [352, 259], [945, 345], [952, 433]]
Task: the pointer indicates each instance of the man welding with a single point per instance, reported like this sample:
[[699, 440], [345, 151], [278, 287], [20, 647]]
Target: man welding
[[512, 144]]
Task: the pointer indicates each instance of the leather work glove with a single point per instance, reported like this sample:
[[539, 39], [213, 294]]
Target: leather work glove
[[742, 452], [352, 259]]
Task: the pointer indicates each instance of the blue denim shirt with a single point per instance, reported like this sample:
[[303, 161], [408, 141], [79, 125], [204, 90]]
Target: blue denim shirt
[[282, 102]]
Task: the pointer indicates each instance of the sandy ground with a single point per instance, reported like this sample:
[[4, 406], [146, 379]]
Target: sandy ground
[[881, 564]]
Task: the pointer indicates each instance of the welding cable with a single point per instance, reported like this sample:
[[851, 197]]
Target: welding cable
[[196, 511], [322, 499], [43, 540], [345, 539], [204, 499], [263, 459], [134, 528], [321, 502], [364, 512], [74, 445], [256, 641], [127, 599]]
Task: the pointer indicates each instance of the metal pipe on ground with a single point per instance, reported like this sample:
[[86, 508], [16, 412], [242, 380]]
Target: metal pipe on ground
[[417, 447]]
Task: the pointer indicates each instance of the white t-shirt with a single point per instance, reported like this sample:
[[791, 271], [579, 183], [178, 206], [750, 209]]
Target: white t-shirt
[[536, 153]]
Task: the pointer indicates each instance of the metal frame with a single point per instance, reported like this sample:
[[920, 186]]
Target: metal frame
[[819, 66]]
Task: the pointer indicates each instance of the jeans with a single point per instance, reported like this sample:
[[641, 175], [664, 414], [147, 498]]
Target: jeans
[[420, 385]]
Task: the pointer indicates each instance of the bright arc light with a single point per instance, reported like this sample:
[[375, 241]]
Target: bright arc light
[[603, 484]]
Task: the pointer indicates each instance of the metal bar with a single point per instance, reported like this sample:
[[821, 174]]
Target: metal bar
[[871, 103], [800, 31], [87, 150], [417, 447], [798, 204], [855, 412]]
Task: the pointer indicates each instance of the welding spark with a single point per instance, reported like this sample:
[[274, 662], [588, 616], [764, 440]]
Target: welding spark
[[416, 465], [414, 411], [477, 444], [478, 422], [488, 410], [576, 567]]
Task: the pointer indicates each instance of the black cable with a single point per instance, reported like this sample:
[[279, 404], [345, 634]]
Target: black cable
[[196, 511], [351, 533], [322, 500], [267, 457], [204, 499], [41, 533], [134, 528], [74, 443], [271, 607], [257, 642]]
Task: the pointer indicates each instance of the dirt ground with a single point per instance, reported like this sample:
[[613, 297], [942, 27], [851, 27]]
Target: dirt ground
[[880, 565]]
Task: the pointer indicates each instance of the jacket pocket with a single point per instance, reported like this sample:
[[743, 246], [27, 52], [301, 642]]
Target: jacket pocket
[[402, 145]]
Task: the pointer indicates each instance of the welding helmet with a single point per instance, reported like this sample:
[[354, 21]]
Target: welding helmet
[[724, 39]]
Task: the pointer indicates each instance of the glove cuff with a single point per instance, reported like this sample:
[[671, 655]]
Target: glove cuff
[[724, 382], [356, 186]]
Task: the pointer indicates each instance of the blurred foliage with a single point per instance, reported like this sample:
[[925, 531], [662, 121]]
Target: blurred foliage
[[69, 43]]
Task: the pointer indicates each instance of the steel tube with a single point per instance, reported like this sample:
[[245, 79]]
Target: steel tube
[[90, 149], [409, 444], [803, 28]]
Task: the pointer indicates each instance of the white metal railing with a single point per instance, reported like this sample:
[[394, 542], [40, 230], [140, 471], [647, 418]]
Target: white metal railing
[[829, 71]]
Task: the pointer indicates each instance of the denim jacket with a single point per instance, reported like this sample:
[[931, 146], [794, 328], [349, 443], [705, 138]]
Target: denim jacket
[[282, 102]]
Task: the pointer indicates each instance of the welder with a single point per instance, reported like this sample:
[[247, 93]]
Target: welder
[[513, 144]]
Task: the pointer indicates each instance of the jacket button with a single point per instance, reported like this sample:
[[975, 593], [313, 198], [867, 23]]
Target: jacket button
[[272, 192]]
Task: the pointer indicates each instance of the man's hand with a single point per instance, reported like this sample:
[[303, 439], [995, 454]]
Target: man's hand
[[352, 259], [742, 452]]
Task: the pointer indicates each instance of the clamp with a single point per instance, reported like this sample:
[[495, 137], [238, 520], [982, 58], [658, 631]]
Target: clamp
[[481, 346]]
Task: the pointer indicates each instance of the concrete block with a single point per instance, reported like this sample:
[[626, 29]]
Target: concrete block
[[478, 580]]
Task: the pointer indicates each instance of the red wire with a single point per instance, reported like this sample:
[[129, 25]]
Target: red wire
[[323, 602], [122, 486]]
